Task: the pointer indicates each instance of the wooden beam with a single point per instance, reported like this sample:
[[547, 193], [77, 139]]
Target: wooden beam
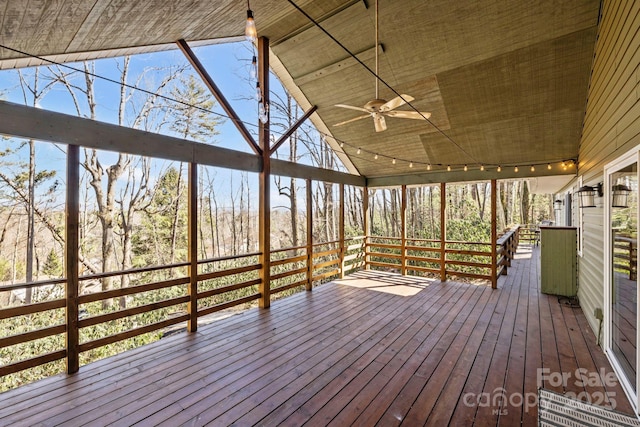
[[443, 231], [42, 125], [296, 170], [197, 65], [292, 129], [264, 210], [309, 284], [341, 230], [461, 176], [403, 231], [365, 56], [72, 248], [320, 19], [192, 236], [29, 122], [494, 235]]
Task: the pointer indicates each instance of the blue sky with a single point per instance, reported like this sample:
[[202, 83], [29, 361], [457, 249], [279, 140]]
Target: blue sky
[[228, 64]]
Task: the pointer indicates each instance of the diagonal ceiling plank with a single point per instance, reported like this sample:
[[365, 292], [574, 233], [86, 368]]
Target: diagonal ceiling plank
[[218, 94], [364, 56]]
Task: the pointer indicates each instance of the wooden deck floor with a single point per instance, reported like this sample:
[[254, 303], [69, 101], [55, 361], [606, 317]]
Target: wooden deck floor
[[374, 348]]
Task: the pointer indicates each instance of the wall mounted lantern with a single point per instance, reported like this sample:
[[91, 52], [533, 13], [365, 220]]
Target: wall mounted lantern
[[620, 194], [587, 195]]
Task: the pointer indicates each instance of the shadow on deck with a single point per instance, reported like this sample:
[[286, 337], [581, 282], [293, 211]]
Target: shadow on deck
[[372, 348]]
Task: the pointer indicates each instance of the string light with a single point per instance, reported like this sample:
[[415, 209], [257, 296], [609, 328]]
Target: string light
[[250, 32], [515, 169], [359, 150], [465, 168], [571, 162], [254, 67], [393, 161], [448, 168], [411, 164], [533, 168], [258, 92], [376, 156]]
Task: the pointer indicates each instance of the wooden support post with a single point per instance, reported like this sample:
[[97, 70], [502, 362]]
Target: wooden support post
[[443, 231], [192, 236], [366, 225], [341, 227], [309, 236], [265, 179], [403, 231], [72, 247], [494, 235]]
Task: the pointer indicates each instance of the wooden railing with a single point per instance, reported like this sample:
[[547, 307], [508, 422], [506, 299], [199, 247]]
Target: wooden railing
[[222, 283], [461, 259]]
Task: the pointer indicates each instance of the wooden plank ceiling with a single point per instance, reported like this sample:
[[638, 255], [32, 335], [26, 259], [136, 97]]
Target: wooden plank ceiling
[[506, 81]]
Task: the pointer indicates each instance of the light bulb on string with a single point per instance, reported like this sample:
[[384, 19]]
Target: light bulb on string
[[428, 166], [250, 32], [258, 92], [466, 168], [448, 168], [375, 157], [515, 169], [359, 151], [254, 67], [481, 167], [499, 169], [393, 161], [533, 168], [549, 166], [410, 164], [342, 145]]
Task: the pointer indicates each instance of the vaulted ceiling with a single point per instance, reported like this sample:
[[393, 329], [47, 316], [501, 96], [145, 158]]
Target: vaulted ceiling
[[506, 82]]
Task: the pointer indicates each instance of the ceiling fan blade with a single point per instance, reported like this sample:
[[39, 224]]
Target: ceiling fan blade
[[352, 120], [379, 122], [408, 115], [396, 102], [351, 107]]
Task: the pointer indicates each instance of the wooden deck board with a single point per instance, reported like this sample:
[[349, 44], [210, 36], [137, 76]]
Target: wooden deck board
[[374, 348]]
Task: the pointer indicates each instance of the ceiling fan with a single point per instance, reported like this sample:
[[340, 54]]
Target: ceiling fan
[[379, 108]]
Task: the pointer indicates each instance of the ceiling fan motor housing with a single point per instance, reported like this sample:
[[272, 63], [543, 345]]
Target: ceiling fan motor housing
[[374, 105]]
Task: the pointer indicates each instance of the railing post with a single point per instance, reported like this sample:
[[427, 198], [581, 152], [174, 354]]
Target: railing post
[[403, 231], [366, 226], [443, 231], [341, 227], [192, 236], [309, 284], [72, 247], [265, 179], [494, 236]]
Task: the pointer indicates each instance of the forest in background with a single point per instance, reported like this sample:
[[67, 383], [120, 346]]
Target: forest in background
[[133, 209]]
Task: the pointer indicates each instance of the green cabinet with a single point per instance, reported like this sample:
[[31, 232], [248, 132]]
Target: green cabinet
[[558, 261]]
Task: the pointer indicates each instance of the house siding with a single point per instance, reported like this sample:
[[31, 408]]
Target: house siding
[[611, 128]]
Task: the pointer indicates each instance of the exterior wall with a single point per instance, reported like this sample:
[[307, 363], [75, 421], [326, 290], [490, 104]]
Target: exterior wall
[[611, 128]]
